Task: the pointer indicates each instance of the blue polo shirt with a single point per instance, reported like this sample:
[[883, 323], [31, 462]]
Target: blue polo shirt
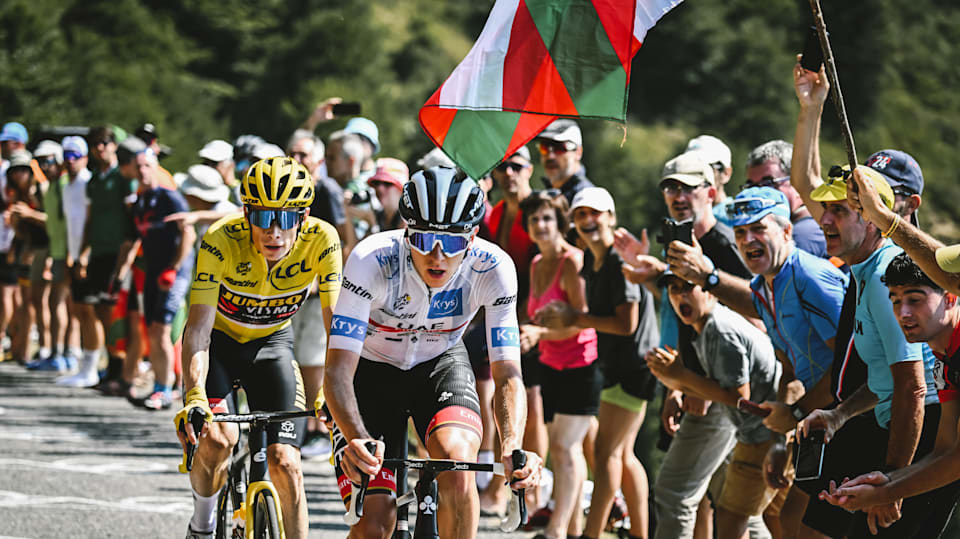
[[877, 335], [803, 315]]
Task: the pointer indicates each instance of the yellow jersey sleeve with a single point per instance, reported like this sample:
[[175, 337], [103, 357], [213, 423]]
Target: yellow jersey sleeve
[[211, 262], [329, 259]]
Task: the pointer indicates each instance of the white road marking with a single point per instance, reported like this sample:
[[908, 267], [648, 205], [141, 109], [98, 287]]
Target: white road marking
[[80, 465], [142, 504]]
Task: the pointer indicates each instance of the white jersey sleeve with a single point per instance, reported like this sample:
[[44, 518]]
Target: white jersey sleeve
[[499, 290], [362, 283]]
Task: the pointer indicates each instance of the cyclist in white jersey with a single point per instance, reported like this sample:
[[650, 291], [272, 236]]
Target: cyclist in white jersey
[[395, 351]]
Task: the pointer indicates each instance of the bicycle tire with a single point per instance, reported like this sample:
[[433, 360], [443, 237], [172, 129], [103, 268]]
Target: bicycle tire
[[266, 521], [230, 499]]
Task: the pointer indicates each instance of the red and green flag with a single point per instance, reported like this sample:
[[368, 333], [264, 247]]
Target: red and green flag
[[534, 61]]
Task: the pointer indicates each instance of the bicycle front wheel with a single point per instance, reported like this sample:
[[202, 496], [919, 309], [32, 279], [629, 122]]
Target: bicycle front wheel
[[266, 520], [230, 508]]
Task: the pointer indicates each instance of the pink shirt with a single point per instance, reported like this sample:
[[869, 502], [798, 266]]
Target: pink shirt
[[579, 350]]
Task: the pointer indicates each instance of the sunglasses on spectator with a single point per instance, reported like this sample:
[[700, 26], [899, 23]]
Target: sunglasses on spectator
[[47, 161], [766, 181], [515, 167], [451, 244], [285, 219], [101, 141], [71, 156], [903, 191], [548, 146], [748, 206], [675, 188]]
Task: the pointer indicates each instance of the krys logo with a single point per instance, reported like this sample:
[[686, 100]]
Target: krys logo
[[446, 303]]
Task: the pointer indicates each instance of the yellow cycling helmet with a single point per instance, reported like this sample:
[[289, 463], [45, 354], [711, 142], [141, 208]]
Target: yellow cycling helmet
[[277, 182]]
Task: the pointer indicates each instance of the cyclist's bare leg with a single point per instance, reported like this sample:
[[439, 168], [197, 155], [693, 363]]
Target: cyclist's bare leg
[[617, 425], [458, 514], [569, 472], [287, 476], [210, 462], [535, 437], [379, 517], [634, 482]]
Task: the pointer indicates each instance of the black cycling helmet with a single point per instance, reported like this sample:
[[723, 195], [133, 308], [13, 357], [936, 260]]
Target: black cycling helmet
[[442, 199]]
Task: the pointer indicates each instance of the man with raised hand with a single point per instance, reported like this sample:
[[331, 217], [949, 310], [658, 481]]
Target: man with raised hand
[[926, 313]]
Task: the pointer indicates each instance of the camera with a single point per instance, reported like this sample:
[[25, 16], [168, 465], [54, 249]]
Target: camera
[[673, 230]]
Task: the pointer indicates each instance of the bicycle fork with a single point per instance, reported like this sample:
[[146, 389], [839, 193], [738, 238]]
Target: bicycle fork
[[259, 478]]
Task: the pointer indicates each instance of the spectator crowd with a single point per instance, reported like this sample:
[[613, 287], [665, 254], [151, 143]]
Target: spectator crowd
[[793, 314]]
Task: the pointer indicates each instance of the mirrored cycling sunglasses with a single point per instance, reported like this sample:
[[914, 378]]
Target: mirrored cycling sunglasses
[[285, 219], [748, 206], [451, 244]]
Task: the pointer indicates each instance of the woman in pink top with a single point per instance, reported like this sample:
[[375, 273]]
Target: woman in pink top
[[570, 380]]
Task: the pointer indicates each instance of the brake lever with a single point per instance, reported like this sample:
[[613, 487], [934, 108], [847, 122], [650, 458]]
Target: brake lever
[[196, 418], [355, 510], [517, 509]]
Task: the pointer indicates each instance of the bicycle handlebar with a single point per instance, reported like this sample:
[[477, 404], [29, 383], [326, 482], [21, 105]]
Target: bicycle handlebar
[[516, 512], [196, 419]]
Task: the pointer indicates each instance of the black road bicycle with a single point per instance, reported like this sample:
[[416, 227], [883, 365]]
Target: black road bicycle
[[248, 505]]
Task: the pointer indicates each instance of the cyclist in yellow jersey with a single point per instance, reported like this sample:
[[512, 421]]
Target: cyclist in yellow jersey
[[254, 272]]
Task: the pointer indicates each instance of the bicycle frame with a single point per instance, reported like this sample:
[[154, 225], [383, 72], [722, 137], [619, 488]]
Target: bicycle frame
[[259, 473]]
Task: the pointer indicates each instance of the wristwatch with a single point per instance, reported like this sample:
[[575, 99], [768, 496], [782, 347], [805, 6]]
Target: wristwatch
[[712, 280], [797, 412]]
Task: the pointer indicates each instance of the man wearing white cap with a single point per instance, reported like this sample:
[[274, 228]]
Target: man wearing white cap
[[718, 156], [219, 155], [561, 148]]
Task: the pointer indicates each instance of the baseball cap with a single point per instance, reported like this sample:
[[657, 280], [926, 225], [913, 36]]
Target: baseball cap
[[205, 183], [755, 203], [365, 128], [948, 258], [688, 168], [435, 158], [898, 168], [74, 147], [132, 145], [563, 130], [20, 158], [147, 132], [712, 149], [49, 148], [14, 131], [597, 198], [216, 150], [267, 150], [523, 152], [390, 170], [835, 189]]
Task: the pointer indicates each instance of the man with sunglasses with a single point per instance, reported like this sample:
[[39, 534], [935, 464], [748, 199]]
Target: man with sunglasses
[[768, 165], [797, 295], [561, 148], [254, 272], [396, 351]]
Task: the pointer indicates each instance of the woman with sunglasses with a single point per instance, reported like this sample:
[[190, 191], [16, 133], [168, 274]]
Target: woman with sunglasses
[[395, 350], [254, 272], [570, 379]]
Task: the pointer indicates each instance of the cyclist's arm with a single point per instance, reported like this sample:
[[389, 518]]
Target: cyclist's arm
[[509, 404], [196, 345]]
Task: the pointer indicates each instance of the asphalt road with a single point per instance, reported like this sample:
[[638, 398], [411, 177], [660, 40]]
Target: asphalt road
[[74, 463]]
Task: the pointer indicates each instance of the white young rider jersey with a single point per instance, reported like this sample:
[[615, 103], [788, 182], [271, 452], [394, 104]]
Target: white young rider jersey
[[387, 313]]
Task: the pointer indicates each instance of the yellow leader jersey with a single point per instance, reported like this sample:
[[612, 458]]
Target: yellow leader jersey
[[252, 301]]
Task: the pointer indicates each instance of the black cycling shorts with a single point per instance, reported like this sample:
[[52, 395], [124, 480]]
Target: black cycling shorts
[[439, 393], [268, 373]]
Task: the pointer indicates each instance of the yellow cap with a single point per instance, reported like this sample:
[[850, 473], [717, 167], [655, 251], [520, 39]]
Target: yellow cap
[[948, 258], [835, 189]]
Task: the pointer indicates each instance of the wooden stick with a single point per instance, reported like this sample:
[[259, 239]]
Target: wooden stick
[[834, 84]]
